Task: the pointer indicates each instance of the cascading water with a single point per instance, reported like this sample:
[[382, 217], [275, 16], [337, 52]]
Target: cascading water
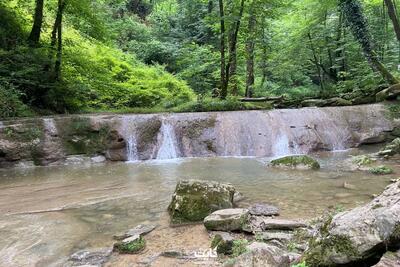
[[50, 126], [167, 141], [129, 134]]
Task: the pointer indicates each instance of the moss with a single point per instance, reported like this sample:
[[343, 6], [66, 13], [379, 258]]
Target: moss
[[322, 247], [296, 161], [396, 233], [79, 137], [381, 170], [222, 246], [195, 128], [394, 111], [362, 160], [131, 247], [239, 247]]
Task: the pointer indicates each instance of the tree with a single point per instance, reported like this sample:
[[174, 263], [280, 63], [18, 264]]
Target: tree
[[250, 45], [357, 23], [393, 17], [223, 78], [34, 36]]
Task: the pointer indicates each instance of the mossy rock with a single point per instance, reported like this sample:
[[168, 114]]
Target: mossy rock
[[381, 170], [194, 200], [131, 245], [362, 160], [296, 162]]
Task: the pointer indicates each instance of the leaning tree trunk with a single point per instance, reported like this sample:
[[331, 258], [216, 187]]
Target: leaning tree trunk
[[250, 44], [357, 22], [34, 36], [224, 88]]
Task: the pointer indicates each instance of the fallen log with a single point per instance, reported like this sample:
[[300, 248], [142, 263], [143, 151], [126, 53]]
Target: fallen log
[[262, 99]]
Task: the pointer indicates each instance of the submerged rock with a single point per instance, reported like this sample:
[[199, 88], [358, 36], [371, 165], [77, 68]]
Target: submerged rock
[[358, 234], [95, 257], [227, 220], [301, 162], [263, 210], [261, 255], [141, 230], [194, 200]]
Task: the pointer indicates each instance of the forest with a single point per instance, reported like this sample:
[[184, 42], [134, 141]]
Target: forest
[[71, 56]]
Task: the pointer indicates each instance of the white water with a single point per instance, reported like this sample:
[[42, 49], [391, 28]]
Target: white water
[[50, 126], [168, 142], [129, 134]]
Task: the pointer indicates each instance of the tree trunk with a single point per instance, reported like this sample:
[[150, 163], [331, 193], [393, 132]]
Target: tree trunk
[[250, 44], [58, 29], [233, 48], [34, 36], [224, 89], [264, 43], [393, 17], [357, 22]]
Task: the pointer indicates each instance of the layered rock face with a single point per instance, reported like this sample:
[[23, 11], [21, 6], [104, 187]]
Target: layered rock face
[[162, 136]]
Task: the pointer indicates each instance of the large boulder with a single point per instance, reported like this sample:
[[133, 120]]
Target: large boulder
[[358, 234], [301, 162], [227, 220], [261, 255], [194, 200]]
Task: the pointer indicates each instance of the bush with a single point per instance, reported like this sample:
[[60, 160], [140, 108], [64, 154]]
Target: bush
[[215, 104], [239, 247], [10, 102]]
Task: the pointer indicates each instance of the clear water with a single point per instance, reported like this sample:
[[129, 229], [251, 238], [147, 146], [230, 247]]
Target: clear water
[[47, 213]]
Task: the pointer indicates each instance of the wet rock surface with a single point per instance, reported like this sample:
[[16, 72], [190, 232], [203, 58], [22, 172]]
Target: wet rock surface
[[194, 200], [391, 149], [49, 140], [141, 229], [93, 257]]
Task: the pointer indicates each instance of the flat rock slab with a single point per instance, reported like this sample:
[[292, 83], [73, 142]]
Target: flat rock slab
[[260, 209], [280, 236], [93, 257], [262, 223], [227, 220], [141, 229]]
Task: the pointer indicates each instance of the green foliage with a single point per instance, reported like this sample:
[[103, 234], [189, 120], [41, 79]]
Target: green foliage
[[381, 170], [239, 247], [11, 104], [362, 160]]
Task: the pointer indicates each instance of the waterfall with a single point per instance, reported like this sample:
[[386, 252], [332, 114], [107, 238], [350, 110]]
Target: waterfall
[[281, 146], [168, 142], [129, 134], [131, 148], [50, 126]]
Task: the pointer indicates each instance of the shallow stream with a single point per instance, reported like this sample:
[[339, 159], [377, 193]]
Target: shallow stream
[[47, 213]]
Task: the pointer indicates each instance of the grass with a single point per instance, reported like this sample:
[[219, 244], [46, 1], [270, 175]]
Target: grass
[[239, 247]]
